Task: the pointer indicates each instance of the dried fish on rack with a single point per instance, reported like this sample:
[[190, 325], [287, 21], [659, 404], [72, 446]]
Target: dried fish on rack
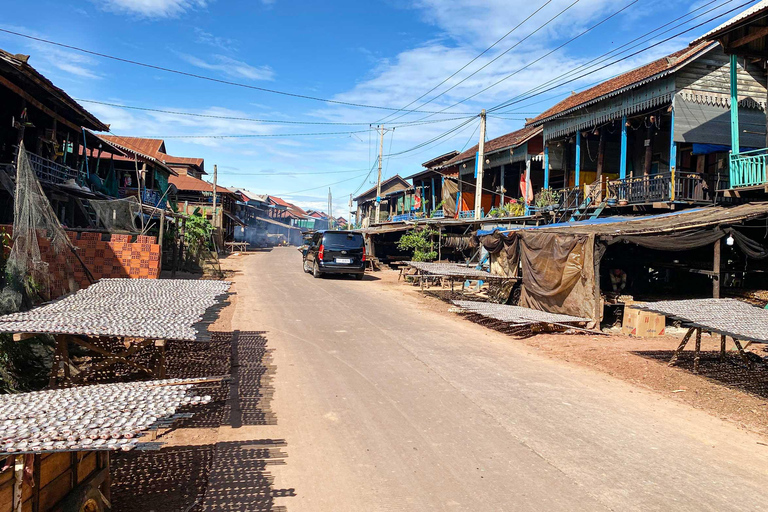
[[517, 315], [99, 417], [172, 309]]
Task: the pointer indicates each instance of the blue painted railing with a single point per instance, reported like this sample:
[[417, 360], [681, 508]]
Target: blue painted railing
[[470, 214], [438, 214], [748, 168]]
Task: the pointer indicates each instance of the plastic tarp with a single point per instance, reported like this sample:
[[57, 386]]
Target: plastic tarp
[[450, 189], [504, 250], [559, 274]]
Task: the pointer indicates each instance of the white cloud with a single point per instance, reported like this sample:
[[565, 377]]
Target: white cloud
[[151, 8], [231, 67], [223, 43]]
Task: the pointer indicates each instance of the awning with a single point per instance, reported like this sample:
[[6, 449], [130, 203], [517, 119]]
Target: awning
[[234, 219]]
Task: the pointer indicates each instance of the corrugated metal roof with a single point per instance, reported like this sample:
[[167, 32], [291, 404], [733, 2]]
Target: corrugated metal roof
[[191, 183], [156, 149], [629, 80], [383, 184]]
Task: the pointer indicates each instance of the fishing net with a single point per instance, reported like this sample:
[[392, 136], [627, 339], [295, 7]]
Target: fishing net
[[42, 264], [118, 214]]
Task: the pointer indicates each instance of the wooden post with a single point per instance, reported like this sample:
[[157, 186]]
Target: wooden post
[[742, 354], [716, 267], [697, 352], [160, 238], [722, 348], [600, 156], [623, 158], [734, 105], [682, 345], [648, 149], [577, 176], [175, 249]]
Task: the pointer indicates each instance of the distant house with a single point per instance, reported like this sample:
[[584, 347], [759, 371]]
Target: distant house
[[194, 194], [366, 202], [155, 148]]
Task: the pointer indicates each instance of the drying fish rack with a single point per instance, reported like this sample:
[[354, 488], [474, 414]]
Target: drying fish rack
[[726, 317], [428, 273], [57, 443], [139, 313]]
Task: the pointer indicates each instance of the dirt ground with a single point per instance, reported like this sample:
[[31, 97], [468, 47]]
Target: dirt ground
[[727, 390]]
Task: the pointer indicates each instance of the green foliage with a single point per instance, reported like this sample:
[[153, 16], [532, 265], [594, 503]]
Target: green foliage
[[197, 235], [514, 208], [437, 207], [547, 197], [420, 241]]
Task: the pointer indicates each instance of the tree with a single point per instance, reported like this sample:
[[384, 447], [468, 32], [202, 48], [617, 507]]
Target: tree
[[420, 241]]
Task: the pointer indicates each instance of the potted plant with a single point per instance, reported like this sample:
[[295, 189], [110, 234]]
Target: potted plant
[[547, 199]]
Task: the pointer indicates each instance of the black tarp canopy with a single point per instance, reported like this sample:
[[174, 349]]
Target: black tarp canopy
[[561, 262]]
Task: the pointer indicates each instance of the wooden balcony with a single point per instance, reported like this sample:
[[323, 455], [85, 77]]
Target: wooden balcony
[[664, 188], [50, 172]]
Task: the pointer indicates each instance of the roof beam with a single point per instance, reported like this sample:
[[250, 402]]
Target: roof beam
[[755, 34], [35, 103]]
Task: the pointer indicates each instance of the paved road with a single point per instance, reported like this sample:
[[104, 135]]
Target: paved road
[[385, 405]]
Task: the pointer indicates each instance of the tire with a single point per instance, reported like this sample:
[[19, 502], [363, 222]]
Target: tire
[[359, 277], [316, 271], [84, 500], [305, 267]]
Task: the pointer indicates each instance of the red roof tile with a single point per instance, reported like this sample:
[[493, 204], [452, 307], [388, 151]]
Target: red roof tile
[[509, 140], [154, 148], [186, 182], [632, 78]]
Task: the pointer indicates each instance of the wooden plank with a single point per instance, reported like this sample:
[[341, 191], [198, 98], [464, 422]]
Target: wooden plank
[[87, 467], [21, 92], [6, 496], [53, 466], [754, 34], [21, 336], [6, 476], [55, 491]]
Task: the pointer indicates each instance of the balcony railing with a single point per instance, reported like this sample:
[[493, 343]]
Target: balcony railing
[[657, 188], [748, 168], [48, 171]]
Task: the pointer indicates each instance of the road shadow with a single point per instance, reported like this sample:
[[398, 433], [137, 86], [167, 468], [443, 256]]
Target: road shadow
[[732, 372], [213, 476], [348, 277]]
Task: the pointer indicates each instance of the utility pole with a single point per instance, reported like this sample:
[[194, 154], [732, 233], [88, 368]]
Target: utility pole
[[330, 209], [350, 210], [378, 180], [215, 173], [480, 162]]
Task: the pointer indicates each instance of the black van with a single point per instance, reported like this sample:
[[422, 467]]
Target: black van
[[335, 252]]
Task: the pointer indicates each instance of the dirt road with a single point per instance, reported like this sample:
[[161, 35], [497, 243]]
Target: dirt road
[[382, 404]]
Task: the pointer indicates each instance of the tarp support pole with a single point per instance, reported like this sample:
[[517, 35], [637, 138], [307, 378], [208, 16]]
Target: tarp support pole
[[546, 167], [503, 192], [716, 267], [734, 106], [578, 159], [623, 160]]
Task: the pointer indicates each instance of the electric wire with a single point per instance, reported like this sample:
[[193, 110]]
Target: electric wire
[[508, 103], [198, 76], [471, 61], [597, 60]]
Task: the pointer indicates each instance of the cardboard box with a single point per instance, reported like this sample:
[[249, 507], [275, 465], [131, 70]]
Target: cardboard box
[[643, 324]]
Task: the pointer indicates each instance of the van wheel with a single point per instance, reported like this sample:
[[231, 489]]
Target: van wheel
[[306, 268], [359, 277], [316, 271]]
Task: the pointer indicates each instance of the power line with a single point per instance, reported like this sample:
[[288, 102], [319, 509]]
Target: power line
[[506, 104], [432, 140], [315, 188], [200, 77], [471, 61], [289, 173], [546, 54], [498, 57], [249, 119], [247, 135], [597, 60]]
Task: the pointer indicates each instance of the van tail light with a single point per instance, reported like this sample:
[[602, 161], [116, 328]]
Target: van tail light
[[363, 253], [321, 252]]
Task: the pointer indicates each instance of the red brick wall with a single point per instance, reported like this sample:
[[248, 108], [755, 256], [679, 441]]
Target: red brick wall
[[105, 256]]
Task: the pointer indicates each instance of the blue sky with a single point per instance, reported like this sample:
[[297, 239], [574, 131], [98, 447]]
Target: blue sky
[[376, 52]]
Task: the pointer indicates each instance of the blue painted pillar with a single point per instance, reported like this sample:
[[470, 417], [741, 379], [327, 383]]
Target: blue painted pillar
[[672, 153], [623, 159], [433, 203], [578, 158], [458, 198], [546, 165], [734, 107]]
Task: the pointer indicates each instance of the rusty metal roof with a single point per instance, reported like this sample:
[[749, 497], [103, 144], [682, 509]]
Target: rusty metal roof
[[506, 141]]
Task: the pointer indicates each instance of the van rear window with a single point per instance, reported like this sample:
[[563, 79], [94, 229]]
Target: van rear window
[[343, 240]]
